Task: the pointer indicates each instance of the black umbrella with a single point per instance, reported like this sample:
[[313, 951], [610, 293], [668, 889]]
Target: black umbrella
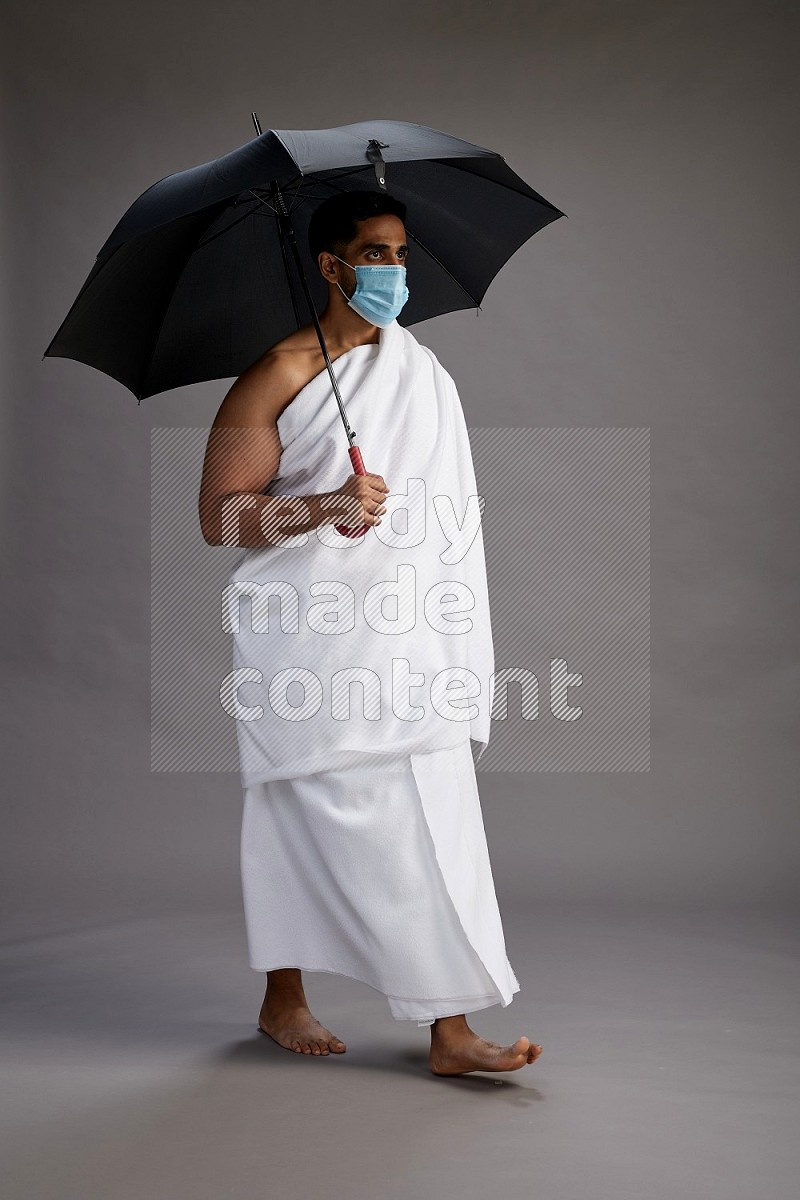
[[209, 267]]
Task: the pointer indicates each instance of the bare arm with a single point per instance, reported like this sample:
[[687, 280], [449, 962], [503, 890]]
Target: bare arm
[[242, 457]]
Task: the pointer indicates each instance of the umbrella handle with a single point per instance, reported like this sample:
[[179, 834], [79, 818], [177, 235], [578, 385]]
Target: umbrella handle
[[358, 469]]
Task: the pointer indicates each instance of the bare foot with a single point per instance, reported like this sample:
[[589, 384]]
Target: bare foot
[[458, 1049], [294, 1028]]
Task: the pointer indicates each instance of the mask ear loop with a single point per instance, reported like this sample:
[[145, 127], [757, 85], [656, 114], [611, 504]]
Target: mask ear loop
[[352, 268]]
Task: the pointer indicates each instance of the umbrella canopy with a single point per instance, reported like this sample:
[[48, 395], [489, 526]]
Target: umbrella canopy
[[194, 282]]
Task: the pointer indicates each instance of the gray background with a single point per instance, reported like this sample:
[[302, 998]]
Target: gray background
[[568, 568], [666, 299]]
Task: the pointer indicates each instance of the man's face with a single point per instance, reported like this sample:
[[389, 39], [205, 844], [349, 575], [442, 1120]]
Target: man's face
[[379, 242]]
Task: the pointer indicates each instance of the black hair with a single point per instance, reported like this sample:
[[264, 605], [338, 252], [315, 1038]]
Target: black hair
[[334, 222]]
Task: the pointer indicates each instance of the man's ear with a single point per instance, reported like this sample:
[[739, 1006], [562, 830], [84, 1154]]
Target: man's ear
[[327, 266]]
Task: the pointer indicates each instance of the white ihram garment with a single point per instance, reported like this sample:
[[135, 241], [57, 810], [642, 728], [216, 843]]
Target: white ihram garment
[[363, 847], [328, 629], [382, 875]]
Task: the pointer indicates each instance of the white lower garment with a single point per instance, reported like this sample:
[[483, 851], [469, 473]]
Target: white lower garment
[[381, 874]]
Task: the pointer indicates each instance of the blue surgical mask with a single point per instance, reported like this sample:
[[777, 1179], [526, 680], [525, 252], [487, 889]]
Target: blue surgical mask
[[380, 292]]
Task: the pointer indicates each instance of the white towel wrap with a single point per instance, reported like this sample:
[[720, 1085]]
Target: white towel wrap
[[410, 427]]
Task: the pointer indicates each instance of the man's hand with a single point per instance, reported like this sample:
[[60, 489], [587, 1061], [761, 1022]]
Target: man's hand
[[359, 500]]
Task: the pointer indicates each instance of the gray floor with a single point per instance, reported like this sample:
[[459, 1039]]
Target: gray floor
[[670, 1069]]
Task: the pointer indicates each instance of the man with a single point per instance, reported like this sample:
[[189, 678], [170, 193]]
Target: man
[[363, 849]]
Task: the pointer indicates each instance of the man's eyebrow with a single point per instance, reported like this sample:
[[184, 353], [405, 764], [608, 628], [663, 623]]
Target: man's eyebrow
[[381, 246]]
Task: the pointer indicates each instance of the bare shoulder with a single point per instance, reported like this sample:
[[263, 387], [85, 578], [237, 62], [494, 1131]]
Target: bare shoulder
[[263, 391]]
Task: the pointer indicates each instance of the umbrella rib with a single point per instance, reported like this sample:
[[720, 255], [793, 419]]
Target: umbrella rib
[[253, 209], [170, 298], [233, 224], [455, 165], [446, 270]]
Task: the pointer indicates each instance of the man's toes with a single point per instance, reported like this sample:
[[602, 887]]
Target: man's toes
[[521, 1046]]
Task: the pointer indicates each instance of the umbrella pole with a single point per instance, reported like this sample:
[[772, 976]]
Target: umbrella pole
[[289, 280], [286, 231], [286, 236]]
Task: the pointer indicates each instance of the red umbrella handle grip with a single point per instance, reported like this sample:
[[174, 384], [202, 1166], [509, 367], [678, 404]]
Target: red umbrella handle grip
[[358, 469]]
